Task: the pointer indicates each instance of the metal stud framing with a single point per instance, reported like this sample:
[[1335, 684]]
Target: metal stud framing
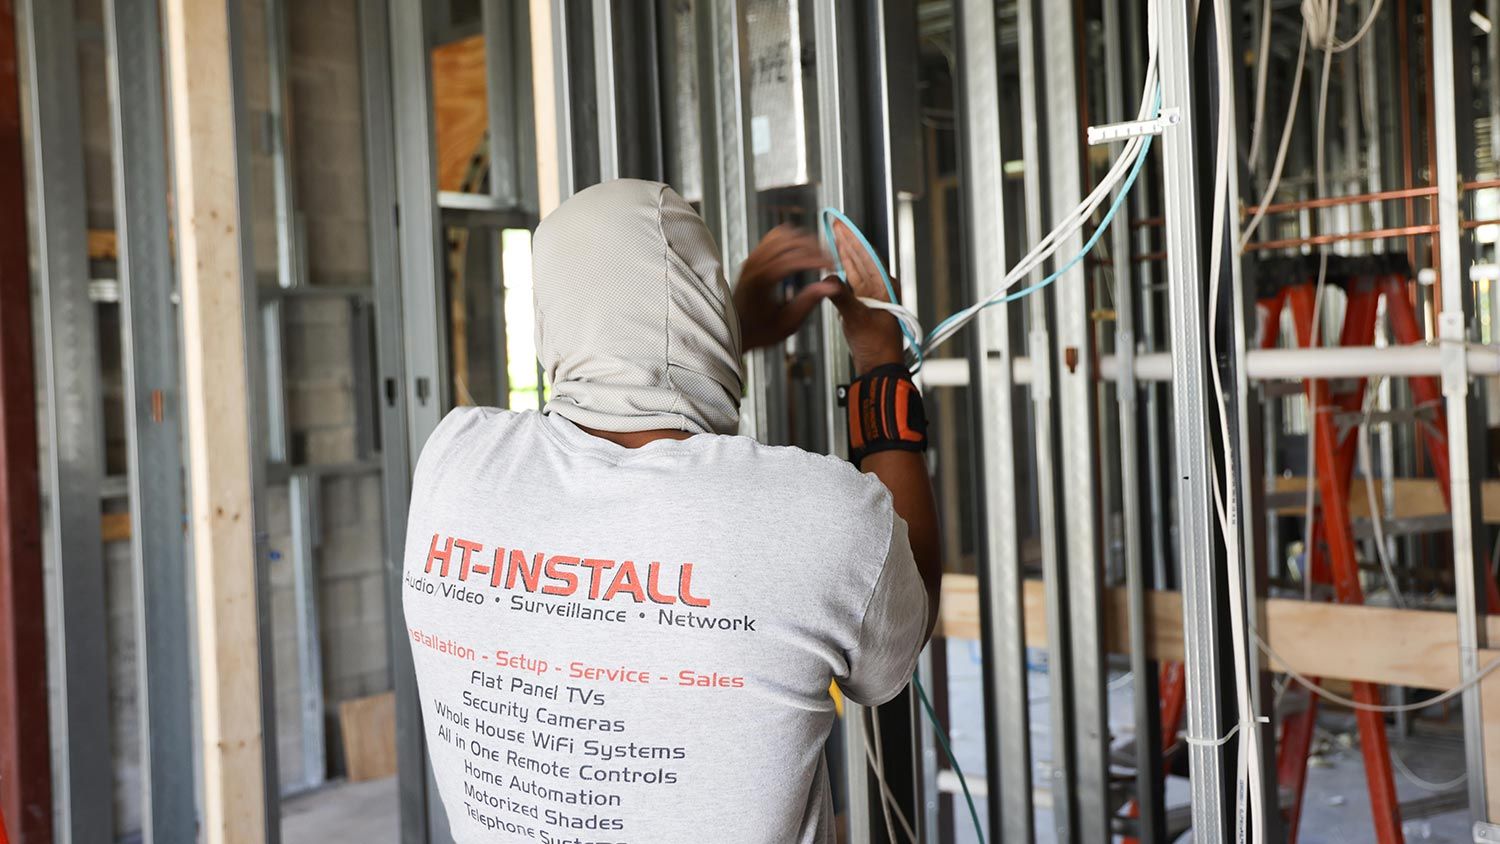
[[1007, 716], [1045, 434], [730, 205], [73, 467], [1195, 531], [839, 147], [153, 416], [1457, 326]]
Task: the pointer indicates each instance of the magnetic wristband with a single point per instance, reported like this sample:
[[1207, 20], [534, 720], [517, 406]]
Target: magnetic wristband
[[885, 412]]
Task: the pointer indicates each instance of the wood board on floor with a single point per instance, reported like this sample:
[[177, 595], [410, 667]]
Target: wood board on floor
[[368, 725]]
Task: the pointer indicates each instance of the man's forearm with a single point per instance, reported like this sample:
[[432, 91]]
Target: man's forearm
[[904, 473]]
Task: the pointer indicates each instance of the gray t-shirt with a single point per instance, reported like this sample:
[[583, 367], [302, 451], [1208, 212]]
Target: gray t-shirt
[[636, 645]]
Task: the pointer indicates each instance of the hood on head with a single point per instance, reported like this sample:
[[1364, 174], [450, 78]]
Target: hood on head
[[635, 325]]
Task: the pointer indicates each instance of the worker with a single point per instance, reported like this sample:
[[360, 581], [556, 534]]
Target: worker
[[625, 618]]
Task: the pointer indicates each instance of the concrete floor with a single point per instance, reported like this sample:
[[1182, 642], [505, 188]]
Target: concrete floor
[[1336, 809], [343, 813]]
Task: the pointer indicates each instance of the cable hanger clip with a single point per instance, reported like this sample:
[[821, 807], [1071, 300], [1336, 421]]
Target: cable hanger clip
[[1111, 132]]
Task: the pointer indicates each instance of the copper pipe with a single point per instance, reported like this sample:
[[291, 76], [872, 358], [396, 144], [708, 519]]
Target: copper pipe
[[1483, 184], [1474, 224], [1322, 239], [1149, 222], [1352, 199], [1150, 256]]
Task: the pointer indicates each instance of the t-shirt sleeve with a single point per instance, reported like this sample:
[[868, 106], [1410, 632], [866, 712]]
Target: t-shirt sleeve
[[894, 627]]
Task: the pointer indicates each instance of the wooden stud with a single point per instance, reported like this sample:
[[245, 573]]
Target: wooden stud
[[216, 390]]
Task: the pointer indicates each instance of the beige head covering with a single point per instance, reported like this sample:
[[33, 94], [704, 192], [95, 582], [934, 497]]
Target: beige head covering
[[635, 326]]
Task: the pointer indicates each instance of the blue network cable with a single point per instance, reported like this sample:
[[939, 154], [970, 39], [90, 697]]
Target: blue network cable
[[1109, 215], [942, 737], [838, 268], [1088, 246]]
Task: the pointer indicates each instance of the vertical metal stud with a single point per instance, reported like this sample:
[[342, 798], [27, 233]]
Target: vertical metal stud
[[1149, 773], [385, 271], [729, 199], [839, 147], [1007, 727], [1457, 326], [1195, 532], [152, 417], [604, 87], [424, 364], [302, 494], [1044, 433], [74, 463], [1076, 407]]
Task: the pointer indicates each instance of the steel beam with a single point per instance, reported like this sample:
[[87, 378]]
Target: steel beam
[[152, 417], [1197, 544], [1457, 325], [1007, 728], [74, 464], [25, 749]]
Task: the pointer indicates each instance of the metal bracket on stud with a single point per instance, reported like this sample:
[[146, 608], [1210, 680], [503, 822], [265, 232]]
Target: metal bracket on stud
[[1486, 833], [1453, 353], [1112, 132]]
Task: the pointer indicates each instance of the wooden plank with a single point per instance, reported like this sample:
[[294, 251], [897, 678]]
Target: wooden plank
[[114, 527], [460, 110], [369, 728], [103, 246], [25, 750], [216, 395], [1414, 648], [1489, 707], [1415, 498]]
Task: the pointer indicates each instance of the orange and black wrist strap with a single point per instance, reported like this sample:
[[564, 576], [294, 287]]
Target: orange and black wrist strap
[[885, 413]]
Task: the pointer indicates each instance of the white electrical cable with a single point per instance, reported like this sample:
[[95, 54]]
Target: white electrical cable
[[1074, 221], [1377, 516], [1286, 139], [877, 761], [1262, 66], [1249, 777], [1322, 22], [1424, 783], [887, 799]]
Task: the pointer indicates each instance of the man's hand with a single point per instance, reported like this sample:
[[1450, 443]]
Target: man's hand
[[766, 317], [874, 335]]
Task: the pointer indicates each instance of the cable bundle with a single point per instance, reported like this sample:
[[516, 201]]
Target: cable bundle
[[1122, 174]]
